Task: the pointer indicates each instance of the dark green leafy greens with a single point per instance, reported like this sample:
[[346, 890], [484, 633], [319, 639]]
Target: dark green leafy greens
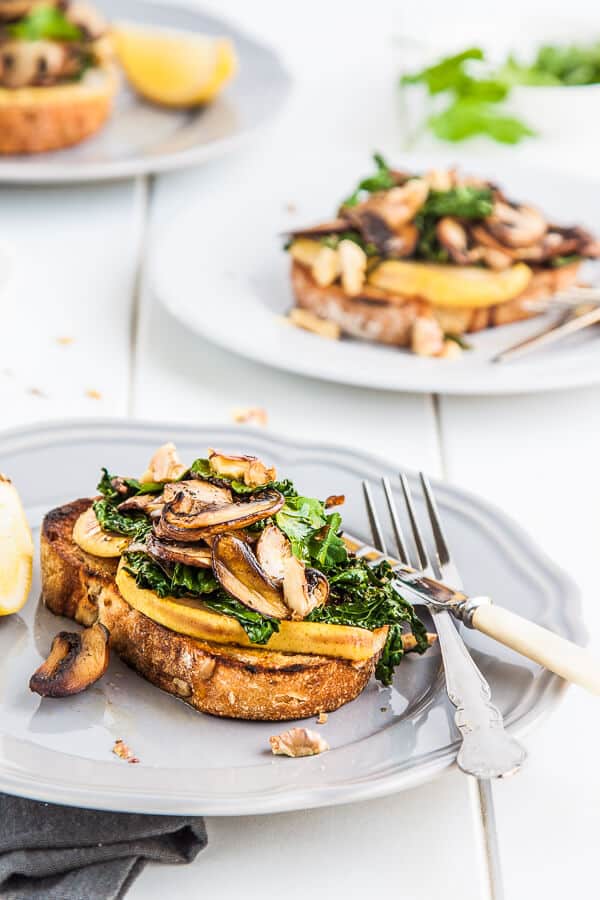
[[133, 525], [381, 180], [464, 202], [45, 23]]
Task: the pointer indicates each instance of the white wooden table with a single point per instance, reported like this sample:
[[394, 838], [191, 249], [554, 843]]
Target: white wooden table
[[84, 336]]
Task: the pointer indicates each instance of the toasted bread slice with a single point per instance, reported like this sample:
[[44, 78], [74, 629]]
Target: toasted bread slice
[[219, 679], [378, 316], [39, 119]]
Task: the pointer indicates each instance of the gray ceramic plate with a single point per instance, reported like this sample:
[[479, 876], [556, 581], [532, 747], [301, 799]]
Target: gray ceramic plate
[[387, 740], [141, 138]]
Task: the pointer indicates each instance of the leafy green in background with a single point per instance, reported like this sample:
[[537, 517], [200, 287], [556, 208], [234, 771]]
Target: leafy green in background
[[45, 23], [476, 91]]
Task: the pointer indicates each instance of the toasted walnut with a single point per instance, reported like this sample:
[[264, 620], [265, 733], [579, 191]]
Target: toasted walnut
[[302, 318], [165, 465], [326, 266], [250, 415], [353, 262], [298, 742], [450, 350], [123, 751], [427, 337], [322, 718]]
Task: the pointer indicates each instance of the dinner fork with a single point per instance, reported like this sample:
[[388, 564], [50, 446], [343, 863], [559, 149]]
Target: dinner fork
[[487, 750]]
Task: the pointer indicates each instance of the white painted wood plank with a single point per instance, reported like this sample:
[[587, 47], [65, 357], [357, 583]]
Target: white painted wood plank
[[537, 457], [65, 314]]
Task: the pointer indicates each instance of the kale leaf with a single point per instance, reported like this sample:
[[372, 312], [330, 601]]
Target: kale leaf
[[382, 180], [133, 525], [465, 202], [108, 490], [45, 23]]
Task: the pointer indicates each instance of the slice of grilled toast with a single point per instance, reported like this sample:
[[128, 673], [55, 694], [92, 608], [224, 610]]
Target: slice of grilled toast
[[214, 678], [377, 316]]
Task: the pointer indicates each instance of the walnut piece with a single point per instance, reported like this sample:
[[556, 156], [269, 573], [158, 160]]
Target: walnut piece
[[165, 465], [122, 750], [302, 318], [298, 742]]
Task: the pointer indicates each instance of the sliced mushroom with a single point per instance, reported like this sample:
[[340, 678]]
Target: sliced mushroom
[[272, 549], [303, 589], [454, 238], [76, 661], [353, 263], [146, 503], [335, 226], [165, 465], [248, 469], [191, 496], [164, 552], [240, 574], [516, 226], [25, 63], [395, 207], [216, 518]]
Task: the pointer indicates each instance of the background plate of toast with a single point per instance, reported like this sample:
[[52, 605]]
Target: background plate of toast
[[140, 137], [228, 278], [386, 740]]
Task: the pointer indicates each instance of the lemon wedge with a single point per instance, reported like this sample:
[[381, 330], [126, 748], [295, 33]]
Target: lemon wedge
[[16, 550], [174, 68]]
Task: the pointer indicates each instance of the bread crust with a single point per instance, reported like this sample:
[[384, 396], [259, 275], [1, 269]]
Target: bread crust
[[375, 317], [218, 679], [41, 119]]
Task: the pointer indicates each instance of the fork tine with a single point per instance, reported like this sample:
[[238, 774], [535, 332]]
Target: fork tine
[[447, 567], [400, 542], [423, 559], [376, 530]]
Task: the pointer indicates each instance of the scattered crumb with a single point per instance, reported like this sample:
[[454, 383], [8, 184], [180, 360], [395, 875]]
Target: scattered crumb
[[291, 207], [93, 395], [64, 341], [298, 742], [36, 392], [322, 718], [302, 318], [121, 750], [250, 415], [334, 500]]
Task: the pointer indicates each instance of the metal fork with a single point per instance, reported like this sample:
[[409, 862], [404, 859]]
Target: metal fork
[[486, 751]]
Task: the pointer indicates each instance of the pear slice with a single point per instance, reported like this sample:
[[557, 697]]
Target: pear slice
[[16, 550]]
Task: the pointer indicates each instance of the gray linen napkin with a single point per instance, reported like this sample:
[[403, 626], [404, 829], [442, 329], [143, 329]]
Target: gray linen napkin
[[52, 852]]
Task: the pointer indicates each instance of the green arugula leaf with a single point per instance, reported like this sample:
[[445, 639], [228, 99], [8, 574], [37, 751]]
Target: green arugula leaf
[[467, 118], [45, 23]]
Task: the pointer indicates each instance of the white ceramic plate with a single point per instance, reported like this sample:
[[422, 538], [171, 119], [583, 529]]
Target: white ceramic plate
[[387, 740], [232, 286], [140, 137]]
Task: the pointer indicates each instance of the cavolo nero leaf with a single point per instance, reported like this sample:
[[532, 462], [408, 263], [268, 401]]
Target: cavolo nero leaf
[[135, 526], [45, 23]]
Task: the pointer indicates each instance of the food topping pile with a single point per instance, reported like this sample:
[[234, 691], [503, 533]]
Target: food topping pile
[[49, 43], [248, 546]]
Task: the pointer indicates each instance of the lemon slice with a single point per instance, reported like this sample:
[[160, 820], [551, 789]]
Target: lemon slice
[[16, 550], [175, 68]]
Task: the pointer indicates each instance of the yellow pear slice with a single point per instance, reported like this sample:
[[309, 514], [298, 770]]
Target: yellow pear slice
[[448, 285], [16, 550], [88, 535], [192, 618]]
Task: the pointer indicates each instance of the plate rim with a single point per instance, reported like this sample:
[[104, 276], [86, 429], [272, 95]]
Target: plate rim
[[39, 172], [551, 688], [542, 380]]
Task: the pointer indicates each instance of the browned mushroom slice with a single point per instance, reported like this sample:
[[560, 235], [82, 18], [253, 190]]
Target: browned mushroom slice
[[303, 589], [453, 238], [249, 469], [272, 549], [76, 661], [335, 226], [190, 496], [240, 574], [516, 226], [200, 557], [216, 518], [147, 503]]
